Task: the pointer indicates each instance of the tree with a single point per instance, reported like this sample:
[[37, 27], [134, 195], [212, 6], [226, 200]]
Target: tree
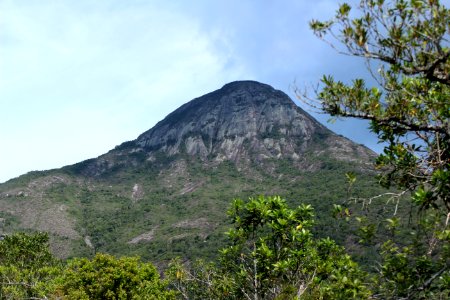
[[409, 111], [27, 268], [107, 277], [273, 255], [200, 280]]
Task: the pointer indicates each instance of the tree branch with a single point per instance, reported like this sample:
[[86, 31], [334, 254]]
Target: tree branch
[[401, 124]]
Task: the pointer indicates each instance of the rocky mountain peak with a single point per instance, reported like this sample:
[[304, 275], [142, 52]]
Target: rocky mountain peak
[[240, 117]]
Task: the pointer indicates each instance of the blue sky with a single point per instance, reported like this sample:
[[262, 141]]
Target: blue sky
[[79, 77]]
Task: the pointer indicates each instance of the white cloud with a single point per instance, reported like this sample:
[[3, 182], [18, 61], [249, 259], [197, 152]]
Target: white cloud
[[78, 79]]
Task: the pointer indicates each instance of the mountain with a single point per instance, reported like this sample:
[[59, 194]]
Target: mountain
[[166, 193]]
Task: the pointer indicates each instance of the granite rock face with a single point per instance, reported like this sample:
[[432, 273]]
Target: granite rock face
[[240, 118], [243, 122]]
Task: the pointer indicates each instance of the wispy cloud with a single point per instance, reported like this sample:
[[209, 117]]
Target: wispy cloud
[[75, 73]]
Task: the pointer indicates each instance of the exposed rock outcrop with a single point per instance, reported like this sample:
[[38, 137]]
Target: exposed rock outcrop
[[241, 117]]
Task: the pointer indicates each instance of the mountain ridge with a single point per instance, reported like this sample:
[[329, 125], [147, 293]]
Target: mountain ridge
[[217, 125], [221, 105]]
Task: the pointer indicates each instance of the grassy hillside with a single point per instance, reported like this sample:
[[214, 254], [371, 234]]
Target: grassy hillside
[[173, 206]]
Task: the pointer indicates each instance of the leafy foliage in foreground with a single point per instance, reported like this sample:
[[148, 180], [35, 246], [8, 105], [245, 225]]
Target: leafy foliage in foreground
[[29, 271], [27, 267], [273, 255], [107, 277], [409, 111]]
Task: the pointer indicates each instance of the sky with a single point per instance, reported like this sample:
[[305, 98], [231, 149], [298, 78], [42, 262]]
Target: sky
[[79, 77]]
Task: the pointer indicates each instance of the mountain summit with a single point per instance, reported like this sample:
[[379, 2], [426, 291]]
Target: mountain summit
[[243, 122], [219, 124], [165, 194]]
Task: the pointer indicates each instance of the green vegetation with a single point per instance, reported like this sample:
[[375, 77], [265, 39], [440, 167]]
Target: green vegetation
[[186, 217], [107, 277], [409, 111], [29, 271], [27, 268], [272, 254]]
